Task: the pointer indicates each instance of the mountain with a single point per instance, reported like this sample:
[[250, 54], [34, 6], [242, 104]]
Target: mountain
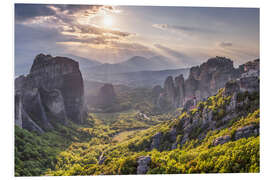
[[139, 78], [136, 63], [136, 72]]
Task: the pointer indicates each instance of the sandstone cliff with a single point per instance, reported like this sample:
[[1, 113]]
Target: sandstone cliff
[[52, 91]]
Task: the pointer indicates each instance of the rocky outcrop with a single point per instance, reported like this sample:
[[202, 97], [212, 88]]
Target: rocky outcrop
[[101, 159], [205, 80], [179, 91], [195, 123], [246, 131], [249, 84], [210, 76], [169, 89], [106, 95], [156, 141], [143, 163], [243, 132], [52, 91], [222, 140]]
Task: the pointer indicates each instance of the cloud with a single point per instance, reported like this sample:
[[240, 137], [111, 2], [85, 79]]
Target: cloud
[[73, 22], [225, 44], [184, 29], [69, 29], [182, 58], [79, 29], [27, 11], [24, 12]]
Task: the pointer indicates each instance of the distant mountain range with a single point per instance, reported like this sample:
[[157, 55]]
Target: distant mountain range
[[136, 71], [139, 78], [134, 64]]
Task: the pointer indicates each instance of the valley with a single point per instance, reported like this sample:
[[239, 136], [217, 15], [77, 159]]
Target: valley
[[207, 122]]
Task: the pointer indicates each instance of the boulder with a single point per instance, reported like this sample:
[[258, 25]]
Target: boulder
[[221, 140], [101, 159], [156, 141], [143, 163]]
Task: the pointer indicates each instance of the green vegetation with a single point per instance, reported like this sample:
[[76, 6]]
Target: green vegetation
[[34, 154], [119, 139]]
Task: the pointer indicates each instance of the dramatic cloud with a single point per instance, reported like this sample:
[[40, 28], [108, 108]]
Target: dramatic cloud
[[225, 44], [184, 29], [24, 12], [82, 30], [73, 22], [71, 29]]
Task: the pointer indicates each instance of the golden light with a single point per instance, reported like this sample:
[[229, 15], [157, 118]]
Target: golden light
[[107, 21]]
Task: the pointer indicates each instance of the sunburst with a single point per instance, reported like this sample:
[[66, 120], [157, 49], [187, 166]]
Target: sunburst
[[108, 21]]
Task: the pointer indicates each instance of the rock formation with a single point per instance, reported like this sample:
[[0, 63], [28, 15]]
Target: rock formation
[[156, 140], [179, 90], [205, 80], [106, 95], [143, 163], [239, 97], [243, 132], [52, 91]]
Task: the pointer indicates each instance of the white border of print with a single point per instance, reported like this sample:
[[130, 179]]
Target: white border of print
[[7, 79]]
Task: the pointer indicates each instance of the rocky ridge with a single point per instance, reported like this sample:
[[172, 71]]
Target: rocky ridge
[[238, 98], [203, 81]]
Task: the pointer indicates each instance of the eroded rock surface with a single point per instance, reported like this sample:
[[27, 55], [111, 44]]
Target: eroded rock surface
[[52, 91], [205, 80]]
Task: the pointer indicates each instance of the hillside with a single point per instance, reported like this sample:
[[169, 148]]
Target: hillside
[[95, 147], [138, 130]]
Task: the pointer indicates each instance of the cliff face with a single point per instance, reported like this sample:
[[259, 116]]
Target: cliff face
[[238, 99], [53, 90], [205, 80]]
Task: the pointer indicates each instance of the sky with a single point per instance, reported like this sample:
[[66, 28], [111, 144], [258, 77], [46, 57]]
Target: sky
[[186, 36]]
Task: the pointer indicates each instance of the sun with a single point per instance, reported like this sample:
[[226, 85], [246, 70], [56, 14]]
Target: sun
[[108, 21]]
